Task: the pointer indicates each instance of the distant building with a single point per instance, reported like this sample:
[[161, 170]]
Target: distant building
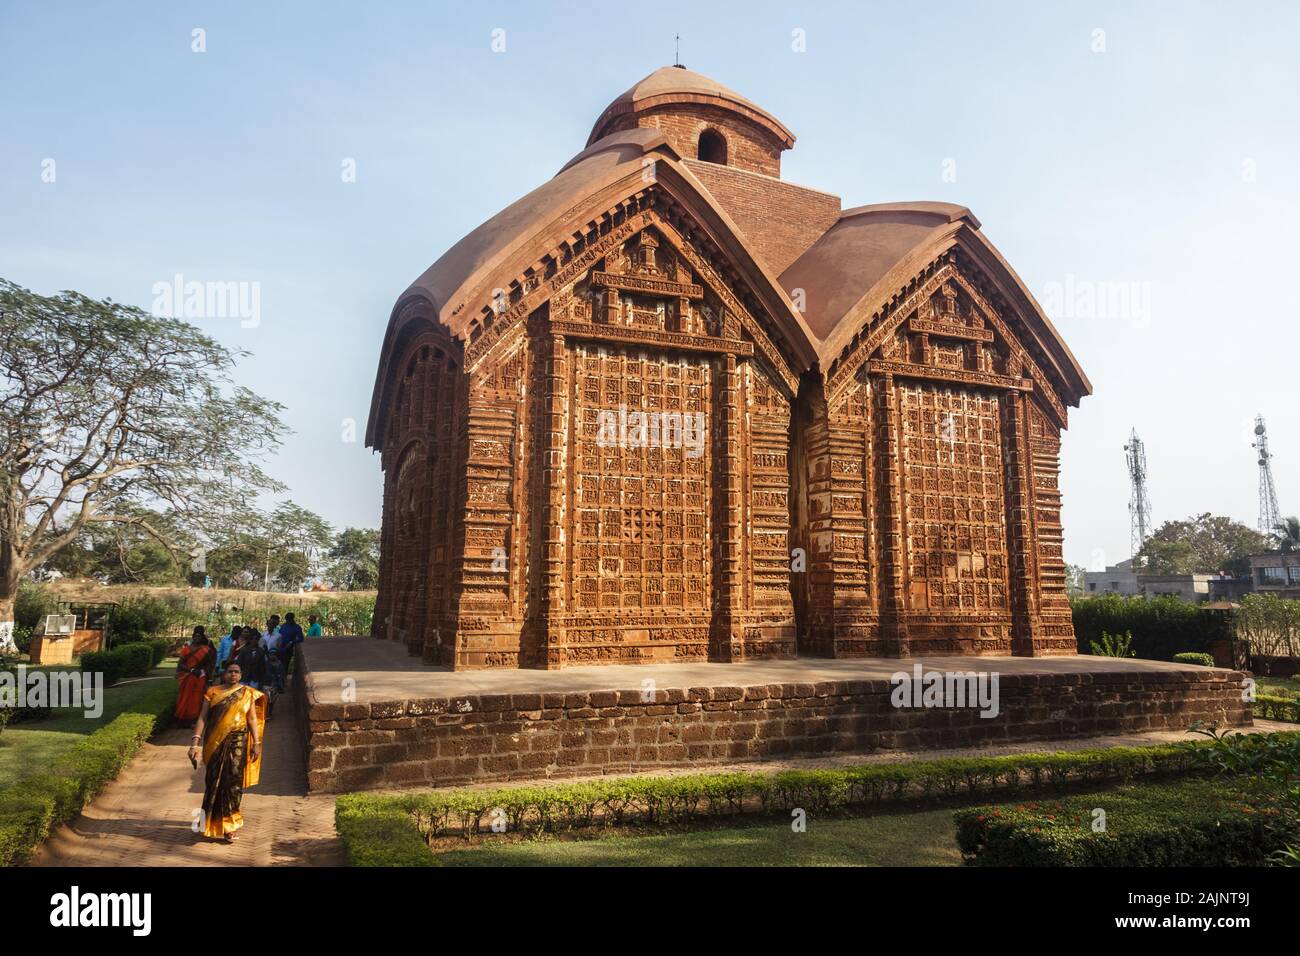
[[1227, 588], [1276, 574], [1189, 587], [1117, 579], [1124, 580]]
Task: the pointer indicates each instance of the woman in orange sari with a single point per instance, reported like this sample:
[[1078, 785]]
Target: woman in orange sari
[[230, 730], [193, 671]]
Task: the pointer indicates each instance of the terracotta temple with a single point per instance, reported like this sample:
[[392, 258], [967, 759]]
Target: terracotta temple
[[670, 407]]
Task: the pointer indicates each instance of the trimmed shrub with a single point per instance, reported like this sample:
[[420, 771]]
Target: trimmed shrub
[[138, 659], [377, 834], [16, 714], [1268, 707], [1190, 657], [1161, 626], [161, 647], [30, 809], [127, 660], [110, 663], [1191, 823]]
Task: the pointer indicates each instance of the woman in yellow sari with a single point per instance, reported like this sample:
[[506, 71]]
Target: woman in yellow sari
[[230, 730]]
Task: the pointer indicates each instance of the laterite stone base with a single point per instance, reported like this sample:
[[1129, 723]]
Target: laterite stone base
[[462, 732]]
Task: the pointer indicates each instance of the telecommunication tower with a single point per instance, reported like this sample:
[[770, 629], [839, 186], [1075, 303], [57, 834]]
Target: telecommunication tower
[[1269, 513], [1139, 503]]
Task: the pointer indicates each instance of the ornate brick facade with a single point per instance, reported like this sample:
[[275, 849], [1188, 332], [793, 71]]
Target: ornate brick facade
[[611, 433]]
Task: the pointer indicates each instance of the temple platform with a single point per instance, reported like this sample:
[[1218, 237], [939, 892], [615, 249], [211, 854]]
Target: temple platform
[[374, 716]]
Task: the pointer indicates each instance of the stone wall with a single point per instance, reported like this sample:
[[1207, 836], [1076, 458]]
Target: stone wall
[[475, 739]]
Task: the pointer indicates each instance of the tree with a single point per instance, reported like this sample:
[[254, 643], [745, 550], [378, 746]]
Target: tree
[[125, 554], [1287, 533], [297, 538], [279, 549], [1203, 544], [108, 414], [1074, 578], [354, 559]]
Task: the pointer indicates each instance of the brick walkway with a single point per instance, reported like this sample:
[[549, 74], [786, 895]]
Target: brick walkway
[[143, 818]]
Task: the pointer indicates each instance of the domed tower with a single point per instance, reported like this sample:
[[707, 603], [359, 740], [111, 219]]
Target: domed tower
[[702, 120]]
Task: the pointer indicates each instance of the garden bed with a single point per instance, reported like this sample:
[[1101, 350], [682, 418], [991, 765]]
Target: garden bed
[[31, 808], [397, 830], [1199, 822]]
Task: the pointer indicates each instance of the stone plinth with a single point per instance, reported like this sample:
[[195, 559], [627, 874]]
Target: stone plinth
[[403, 724]]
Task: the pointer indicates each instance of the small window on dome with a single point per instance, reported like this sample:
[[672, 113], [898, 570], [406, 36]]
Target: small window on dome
[[713, 147]]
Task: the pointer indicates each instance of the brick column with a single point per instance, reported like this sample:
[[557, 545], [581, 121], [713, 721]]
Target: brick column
[[1025, 626], [725, 639], [554, 490], [893, 541]]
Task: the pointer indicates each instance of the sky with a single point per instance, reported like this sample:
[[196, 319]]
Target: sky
[[1138, 164]]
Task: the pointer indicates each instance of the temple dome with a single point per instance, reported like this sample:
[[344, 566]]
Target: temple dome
[[686, 106]]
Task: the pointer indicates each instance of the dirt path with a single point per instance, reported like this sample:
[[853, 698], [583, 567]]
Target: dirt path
[[144, 817]]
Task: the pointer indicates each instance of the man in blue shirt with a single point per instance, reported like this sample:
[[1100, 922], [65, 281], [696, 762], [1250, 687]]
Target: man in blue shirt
[[290, 637], [223, 647]]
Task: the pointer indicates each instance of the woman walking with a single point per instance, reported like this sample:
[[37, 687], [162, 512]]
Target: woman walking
[[193, 671], [230, 731]]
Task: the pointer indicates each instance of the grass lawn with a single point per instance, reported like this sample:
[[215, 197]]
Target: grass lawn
[[926, 838], [1278, 686], [28, 747]]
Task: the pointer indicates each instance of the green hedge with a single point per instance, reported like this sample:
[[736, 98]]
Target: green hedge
[[378, 833], [1189, 657], [1161, 626], [126, 660], [1191, 823], [1268, 707], [139, 658], [384, 829], [160, 647], [16, 714], [30, 809]]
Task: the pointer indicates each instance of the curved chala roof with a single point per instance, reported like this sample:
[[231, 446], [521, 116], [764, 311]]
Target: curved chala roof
[[460, 283], [847, 275], [873, 252]]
